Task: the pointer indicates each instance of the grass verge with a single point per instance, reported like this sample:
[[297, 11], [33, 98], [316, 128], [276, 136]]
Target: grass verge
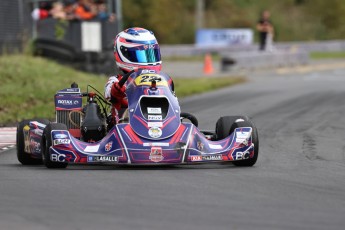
[[327, 55], [28, 85], [189, 86]]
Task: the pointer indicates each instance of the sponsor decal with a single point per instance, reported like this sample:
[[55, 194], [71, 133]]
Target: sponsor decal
[[152, 110], [57, 157], [148, 71], [102, 159], [215, 146], [36, 146], [243, 141], [242, 137], [37, 124], [200, 145], [155, 117], [38, 131], [65, 102], [62, 142], [149, 78], [215, 157], [156, 154], [242, 155], [26, 130], [108, 146], [196, 158], [155, 132], [155, 124], [74, 90], [146, 79], [155, 144], [92, 148], [60, 136], [69, 90]]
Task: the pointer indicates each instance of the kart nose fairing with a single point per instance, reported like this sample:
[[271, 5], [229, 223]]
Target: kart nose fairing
[[154, 112], [123, 146], [155, 122]]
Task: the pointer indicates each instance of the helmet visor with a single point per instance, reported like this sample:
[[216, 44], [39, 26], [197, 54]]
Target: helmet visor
[[142, 54]]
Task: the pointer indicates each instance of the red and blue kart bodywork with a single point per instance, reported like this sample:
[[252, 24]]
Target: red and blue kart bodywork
[[122, 145], [155, 133]]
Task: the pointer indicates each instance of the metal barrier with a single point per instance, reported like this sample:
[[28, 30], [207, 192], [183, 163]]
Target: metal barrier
[[70, 47], [11, 26], [191, 49], [71, 33], [260, 59]]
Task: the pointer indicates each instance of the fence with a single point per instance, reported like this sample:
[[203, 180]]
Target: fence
[[11, 26]]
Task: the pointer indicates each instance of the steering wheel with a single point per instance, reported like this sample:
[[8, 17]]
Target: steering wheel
[[125, 78]]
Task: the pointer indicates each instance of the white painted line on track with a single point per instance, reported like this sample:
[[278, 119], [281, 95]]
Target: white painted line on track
[[7, 147], [7, 137]]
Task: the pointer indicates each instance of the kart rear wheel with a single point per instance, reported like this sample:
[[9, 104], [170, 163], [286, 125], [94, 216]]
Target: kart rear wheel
[[24, 157], [226, 125], [47, 142]]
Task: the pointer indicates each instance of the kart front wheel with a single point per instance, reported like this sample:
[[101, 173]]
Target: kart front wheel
[[190, 117], [255, 141], [226, 125], [47, 143]]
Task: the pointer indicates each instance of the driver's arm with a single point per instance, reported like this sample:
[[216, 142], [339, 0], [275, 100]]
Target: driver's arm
[[108, 85]]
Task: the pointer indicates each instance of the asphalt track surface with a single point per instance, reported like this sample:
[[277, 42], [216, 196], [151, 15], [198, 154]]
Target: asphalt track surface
[[297, 183]]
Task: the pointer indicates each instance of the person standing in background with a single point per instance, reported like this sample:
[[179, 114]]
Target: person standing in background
[[266, 31]]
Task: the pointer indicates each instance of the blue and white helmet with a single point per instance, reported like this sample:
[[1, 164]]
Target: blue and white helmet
[[136, 48]]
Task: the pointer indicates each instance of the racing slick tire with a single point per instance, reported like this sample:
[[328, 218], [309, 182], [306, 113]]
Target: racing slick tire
[[24, 157], [190, 117], [47, 142], [226, 125]]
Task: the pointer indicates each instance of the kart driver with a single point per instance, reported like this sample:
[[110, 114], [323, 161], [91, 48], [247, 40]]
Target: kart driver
[[134, 49]]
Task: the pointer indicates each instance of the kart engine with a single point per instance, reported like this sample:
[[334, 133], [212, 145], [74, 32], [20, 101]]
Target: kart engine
[[93, 127], [86, 123]]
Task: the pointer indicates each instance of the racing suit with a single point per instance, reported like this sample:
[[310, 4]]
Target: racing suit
[[117, 96]]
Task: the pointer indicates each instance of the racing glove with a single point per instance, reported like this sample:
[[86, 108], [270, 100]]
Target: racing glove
[[117, 91], [118, 96]]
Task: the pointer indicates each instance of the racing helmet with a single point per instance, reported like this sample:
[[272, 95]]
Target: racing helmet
[[136, 48]]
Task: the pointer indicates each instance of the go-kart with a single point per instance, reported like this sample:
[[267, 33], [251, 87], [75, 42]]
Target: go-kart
[[153, 131]]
